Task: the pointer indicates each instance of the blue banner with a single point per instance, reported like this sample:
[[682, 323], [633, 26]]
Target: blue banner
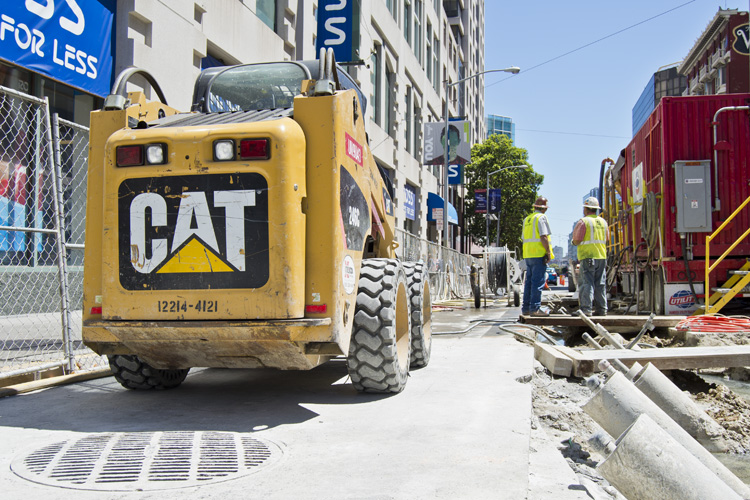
[[410, 202], [495, 195], [335, 21], [455, 174], [67, 40]]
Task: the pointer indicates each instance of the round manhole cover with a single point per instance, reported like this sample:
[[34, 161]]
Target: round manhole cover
[[138, 461]]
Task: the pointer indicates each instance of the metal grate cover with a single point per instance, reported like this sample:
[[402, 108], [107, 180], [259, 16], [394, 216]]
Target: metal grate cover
[[142, 461]]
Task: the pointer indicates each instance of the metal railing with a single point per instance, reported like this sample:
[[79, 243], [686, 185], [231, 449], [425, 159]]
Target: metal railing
[[713, 304]]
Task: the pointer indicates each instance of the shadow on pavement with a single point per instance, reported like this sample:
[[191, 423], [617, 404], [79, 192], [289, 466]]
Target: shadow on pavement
[[209, 399]]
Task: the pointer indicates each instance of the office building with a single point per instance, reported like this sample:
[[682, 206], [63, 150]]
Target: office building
[[667, 81], [501, 125], [402, 52], [718, 62]]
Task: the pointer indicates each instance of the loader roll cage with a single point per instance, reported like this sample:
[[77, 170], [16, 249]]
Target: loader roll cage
[[261, 86]]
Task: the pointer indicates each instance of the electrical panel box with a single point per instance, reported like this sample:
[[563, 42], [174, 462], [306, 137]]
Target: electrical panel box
[[693, 196]]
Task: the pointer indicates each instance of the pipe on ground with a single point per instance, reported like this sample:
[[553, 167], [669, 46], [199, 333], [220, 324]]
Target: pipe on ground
[[648, 463], [617, 403], [678, 405]]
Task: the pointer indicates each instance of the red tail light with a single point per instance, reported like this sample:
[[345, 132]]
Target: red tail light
[[317, 309], [129, 156], [254, 149]]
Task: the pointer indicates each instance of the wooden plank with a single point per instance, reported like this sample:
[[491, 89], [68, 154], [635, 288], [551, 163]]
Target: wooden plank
[[609, 322], [552, 359], [667, 358]]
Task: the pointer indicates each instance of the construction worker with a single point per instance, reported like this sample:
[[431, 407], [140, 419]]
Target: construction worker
[[536, 253], [590, 235]]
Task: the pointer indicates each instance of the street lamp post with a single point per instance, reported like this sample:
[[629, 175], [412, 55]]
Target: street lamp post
[[487, 205], [446, 136]]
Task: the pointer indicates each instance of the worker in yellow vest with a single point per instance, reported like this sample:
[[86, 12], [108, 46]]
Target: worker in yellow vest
[[537, 251], [590, 235]]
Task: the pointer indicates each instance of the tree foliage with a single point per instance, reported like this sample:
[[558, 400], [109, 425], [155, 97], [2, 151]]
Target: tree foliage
[[519, 190]]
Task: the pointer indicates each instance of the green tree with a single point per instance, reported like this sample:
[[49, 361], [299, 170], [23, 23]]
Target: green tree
[[519, 190]]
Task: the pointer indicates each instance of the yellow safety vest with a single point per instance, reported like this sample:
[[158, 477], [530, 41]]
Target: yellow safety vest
[[594, 243], [532, 241]]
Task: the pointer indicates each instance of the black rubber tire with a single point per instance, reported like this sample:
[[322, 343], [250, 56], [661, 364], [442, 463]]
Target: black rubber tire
[[378, 359], [133, 373], [516, 297], [420, 305], [571, 284], [477, 296]]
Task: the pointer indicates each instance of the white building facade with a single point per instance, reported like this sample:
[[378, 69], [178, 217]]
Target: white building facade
[[406, 49]]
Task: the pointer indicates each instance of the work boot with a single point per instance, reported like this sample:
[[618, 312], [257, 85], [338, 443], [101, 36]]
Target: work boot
[[524, 313], [600, 313], [540, 313]]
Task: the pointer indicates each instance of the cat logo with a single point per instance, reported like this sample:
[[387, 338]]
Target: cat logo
[[193, 232]]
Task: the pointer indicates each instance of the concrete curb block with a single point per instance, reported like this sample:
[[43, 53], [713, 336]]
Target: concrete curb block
[[13, 390]]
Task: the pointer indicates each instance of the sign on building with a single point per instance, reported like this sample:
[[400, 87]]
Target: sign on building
[[459, 151], [335, 22], [410, 202], [67, 40]]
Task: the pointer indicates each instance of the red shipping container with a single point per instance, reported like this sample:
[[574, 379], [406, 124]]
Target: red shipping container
[[680, 129]]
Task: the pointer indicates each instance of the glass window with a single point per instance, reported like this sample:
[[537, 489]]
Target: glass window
[[389, 124], [266, 11], [393, 8], [376, 87], [409, 119], [418, 29], [407, 21], [428, 52], [452, 8], [256, 86], [417, 116]]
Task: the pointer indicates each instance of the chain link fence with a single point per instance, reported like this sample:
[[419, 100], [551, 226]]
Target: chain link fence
[[42, 189], [449, 269]]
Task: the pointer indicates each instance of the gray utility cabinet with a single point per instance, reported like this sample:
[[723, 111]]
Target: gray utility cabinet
[[693, 196]]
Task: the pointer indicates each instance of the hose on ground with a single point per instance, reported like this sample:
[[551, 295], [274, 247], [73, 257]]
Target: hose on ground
[[509, 329], [477, 323]]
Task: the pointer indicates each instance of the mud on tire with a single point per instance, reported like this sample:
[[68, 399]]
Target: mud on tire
[[133, 373], [378, 359], [420, 305]]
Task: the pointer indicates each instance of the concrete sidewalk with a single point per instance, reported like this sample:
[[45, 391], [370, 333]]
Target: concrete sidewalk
[[461, 428]]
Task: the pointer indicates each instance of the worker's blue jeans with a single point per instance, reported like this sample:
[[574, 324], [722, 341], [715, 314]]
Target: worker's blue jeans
[[593, 286], [536, 269]]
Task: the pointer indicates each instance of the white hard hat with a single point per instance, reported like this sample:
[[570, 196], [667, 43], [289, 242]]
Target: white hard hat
[[591, 202]]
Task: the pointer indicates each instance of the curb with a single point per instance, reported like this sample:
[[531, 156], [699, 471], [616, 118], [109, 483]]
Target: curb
[[13, 390]]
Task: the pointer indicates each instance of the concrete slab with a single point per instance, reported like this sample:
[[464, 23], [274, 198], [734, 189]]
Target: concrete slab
[[459, 430]]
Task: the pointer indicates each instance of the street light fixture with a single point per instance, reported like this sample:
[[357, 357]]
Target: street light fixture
[[514, 70], [487, 206]]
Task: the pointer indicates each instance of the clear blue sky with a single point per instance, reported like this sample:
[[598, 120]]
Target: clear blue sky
[[573, 112]]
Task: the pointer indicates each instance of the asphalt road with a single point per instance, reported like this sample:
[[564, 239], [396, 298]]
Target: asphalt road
[[460, 429]]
